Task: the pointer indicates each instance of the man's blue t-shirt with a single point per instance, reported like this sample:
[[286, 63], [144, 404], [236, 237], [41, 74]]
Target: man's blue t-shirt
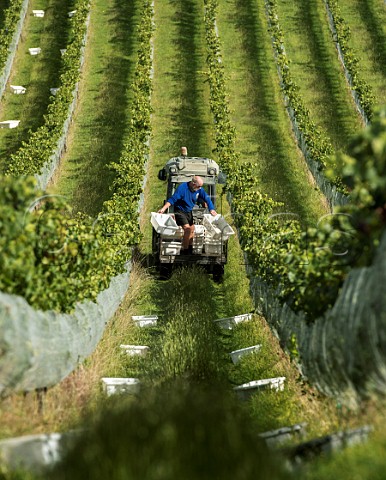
[[184, 199]]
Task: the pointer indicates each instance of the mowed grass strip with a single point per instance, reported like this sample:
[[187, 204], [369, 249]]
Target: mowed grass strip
[[317, 70], [180, 98], [188, 346], [367, 22], [101, 119], [38, 73], [264, 135]]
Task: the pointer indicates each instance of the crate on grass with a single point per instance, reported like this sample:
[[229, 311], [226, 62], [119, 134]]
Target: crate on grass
[[35, 50], [145, 320], [133, 350], [17, 89], [112, 385], [9, 124]]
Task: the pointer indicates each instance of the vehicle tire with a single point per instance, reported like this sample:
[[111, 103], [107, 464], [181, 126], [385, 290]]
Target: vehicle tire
[[165, 271], [155, 247], [218, 273]]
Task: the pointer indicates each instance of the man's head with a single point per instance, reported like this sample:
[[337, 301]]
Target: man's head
[[196, 182], [184, 151]]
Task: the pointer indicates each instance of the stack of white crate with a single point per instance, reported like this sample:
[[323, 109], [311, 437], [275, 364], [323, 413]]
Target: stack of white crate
[[217, 231], [171, 235], [198, 239], [208, 238], [172, 243]]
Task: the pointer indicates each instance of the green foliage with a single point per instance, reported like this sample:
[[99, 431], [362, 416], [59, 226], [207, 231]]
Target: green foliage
[[317, 143], [49, 247], [42, 143], [52, 257], [362, 89], [306, 267], [11, 18], [363, 170], [177, 431], [355, 463]]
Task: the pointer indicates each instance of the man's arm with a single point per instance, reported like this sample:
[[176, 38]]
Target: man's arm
[[164, 208], [207, 199], [172, 200]]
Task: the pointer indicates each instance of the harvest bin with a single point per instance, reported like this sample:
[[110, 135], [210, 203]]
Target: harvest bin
[[164, 224]]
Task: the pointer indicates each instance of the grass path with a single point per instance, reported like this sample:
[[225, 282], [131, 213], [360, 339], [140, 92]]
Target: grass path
[[316, 69], [98, 131], [264, 134], [38, 73], [181, 115], [187, 303], [367, 22]]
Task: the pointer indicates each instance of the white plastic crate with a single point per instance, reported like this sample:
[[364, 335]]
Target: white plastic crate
[[163, 223], [213, 247], [72, 13], [198, 241], [17, 89], [9, 124], [217, 227], [236, 355], [35, 50], [63, 51], [170, 248], [229, 322], [114, 385], [211, 229], [133, 350], [198, 245], [38, 13], [223, 225], [199, 231], [54, 91], [270, 383], [178, 234], [145, 320]]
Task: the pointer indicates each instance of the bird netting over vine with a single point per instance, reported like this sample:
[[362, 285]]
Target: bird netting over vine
[[38, 349], [344, 352], [5, 69]]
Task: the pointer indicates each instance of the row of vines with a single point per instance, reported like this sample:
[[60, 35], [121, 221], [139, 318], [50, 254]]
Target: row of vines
[[307, 267], [70, 252], [361, 89], [11, 19], [51, 256]]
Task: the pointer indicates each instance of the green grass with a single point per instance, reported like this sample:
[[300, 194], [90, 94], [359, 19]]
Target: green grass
[[174, 432], [367, 22], [101, 118], [180, 98], [263, 129], [317, 71], [37, 73]]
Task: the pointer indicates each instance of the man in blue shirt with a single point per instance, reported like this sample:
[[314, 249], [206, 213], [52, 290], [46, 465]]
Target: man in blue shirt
[[184, 199]]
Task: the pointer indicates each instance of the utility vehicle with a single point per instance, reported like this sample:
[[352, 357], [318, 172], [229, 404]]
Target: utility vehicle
[[210, 242]]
